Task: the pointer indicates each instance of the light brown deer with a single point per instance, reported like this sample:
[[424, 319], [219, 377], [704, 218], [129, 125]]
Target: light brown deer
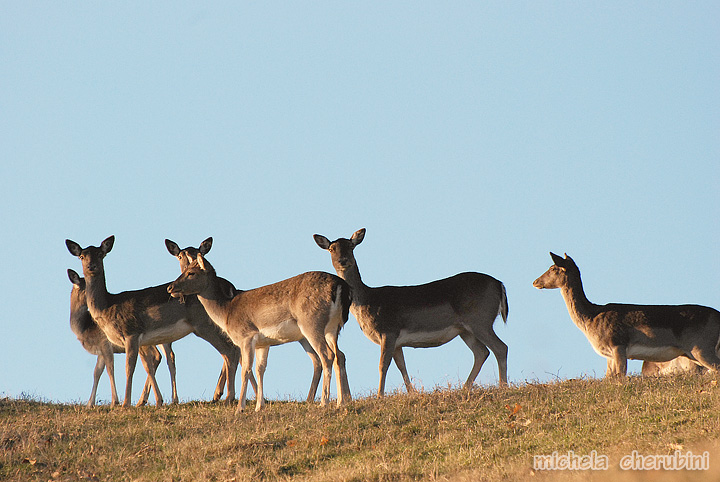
[[132, 319], [423, 316], [312, 305], [680, 364], [185, 256], [95, 342], [618, 332]]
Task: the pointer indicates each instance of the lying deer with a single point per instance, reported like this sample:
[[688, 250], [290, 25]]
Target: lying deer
[[95, 342], [618, 332], [680, 364], [422, 316], [132, 319], [312, 305]]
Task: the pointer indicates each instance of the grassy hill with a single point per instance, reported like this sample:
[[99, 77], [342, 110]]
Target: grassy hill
[[447, 434]]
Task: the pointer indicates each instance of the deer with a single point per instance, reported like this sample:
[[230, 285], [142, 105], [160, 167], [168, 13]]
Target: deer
[[95, 342], [132, 319], [680, 364], [423, 316], [185, 256], [618, 332], [312, 305]]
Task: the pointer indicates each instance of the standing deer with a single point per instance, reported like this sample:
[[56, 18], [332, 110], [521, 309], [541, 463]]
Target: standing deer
[[312, 305], [618, 332], [185, 256], [423, 316], [95, 342], [132, 319]]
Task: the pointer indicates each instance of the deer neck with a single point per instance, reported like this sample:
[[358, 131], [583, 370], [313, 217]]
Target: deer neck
[[580, 309], [360, 290], [80, 319], [216, 304], [98, 299]]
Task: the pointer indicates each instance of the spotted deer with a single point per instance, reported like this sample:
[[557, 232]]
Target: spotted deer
[[132, 319], [618, 332], [423, 316], [312, 305]]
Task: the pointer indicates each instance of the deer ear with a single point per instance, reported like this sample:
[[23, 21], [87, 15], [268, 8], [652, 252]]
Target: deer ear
[[73, 247], [205, 246], [172, 247], [227, 288], [322, 241], [74, 277], [559, 261], [358, 236], [107, 244], [201, 262]]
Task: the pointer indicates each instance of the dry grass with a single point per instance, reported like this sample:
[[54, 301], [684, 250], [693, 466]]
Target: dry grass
[[483, 434]]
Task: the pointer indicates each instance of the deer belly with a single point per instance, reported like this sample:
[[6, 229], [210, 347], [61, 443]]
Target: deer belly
[[283, 332], [166, 334], [653, 353], [426, 339]]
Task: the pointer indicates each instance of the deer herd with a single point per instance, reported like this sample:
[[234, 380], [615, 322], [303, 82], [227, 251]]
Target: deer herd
[[313, 307]]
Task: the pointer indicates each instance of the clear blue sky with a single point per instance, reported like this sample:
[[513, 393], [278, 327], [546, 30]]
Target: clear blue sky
[[465, 136]]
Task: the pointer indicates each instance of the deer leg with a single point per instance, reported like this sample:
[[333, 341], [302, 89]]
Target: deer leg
[[400, 363], [617, 364], [317, 368], [97, 373], [499, 349], [387, 348], [327, 358], [229, 352], [170, 359], [343, 387], [480, 354], [248, 354], [109, 358], [261, 355], [707, 358], [131, 355], [222, 379], [151, 358]]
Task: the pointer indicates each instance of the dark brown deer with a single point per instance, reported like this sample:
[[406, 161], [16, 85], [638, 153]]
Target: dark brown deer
[[132, 319], [95, 342], [312, 305], [185, 256], [422, 316], [618, 332]]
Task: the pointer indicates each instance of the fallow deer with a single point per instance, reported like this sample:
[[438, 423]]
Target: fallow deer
[[422, 316], [312, 305], [618, 332], [680, 364], [185, 256], [95, 342], [132, 319]]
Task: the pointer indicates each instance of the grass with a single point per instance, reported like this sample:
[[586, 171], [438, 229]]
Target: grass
[[445, 434]]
